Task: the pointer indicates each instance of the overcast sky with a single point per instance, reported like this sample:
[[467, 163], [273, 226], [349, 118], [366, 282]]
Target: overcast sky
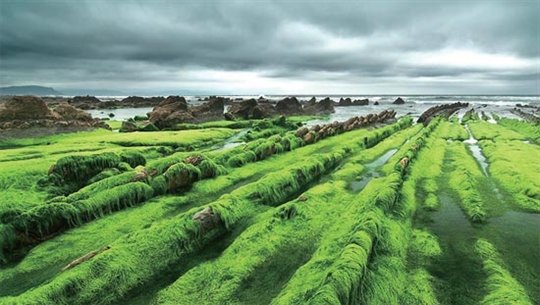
[[280, 47]]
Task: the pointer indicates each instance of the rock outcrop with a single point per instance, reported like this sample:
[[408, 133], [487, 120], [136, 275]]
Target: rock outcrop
[[26, 107], [445, 110], [318, 132], [251, 109], [209, 111], [25, 112], [399, 101], [289, 106], [92, 102], [171, 111], [175, 110], [529, 117], [323, 107], [348, 102]]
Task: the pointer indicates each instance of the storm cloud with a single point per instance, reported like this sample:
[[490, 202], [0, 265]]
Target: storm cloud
[[241, 47]]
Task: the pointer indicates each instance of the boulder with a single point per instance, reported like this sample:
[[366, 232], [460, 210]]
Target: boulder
[[376, 103], [362, 102], [289, 106], [68, 112], [26, 107], [162, 115], [348, 102], [147, 126], [26, 112], [345, 102], [324, 107], [264, 110], [177, 117], [207, 219], [85, 102], [399, 101], [209, 111], [128, 126], [251, 109]]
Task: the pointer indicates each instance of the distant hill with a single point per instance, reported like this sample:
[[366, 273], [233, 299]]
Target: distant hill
[[24, 90]]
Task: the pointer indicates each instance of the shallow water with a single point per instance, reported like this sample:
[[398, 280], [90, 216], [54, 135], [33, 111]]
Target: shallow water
[[119, 114], [476, 151], [357, 186], [232, 141], [515, 234]]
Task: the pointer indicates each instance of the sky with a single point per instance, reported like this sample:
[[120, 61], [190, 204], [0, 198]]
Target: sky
[[273, 47]]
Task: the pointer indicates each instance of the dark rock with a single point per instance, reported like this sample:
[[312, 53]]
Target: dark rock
[[362, 102], [26, 107], [324, 107], [138, 101], [228, 116], [376, 103], [251, 109], [68, 112], [177, 117], [85, 102], [128, 126], [25, 112], [399, 101], [147, 126], [345, 102], [289, 106], [263, 111], [162, 115], [348, 102], [209, 111], [444, 110]]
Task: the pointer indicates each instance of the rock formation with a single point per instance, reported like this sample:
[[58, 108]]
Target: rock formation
[[25, 108], [399, 101], [289, 106], [210, 111], [445, 110], [348, 102], [318, 132], [251, 109], [175, 110], [24, 112], [91, 102], [323, 107]]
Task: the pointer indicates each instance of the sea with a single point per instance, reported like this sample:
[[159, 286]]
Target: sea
[[414, 105]]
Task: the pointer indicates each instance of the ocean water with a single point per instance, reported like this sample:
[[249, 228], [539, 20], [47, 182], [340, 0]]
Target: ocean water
[[414, 105]]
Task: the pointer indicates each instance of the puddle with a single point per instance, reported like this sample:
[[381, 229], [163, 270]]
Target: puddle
[[232, 141], [516, 235], [459, 268], [476, 151], [357, 186]]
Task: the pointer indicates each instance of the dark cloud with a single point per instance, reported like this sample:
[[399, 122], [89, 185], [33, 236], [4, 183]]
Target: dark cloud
[[123, 44]]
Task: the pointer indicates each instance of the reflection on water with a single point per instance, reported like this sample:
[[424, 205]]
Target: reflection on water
[[476, 151], [119, 114], [357, 186], [233, 141]]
